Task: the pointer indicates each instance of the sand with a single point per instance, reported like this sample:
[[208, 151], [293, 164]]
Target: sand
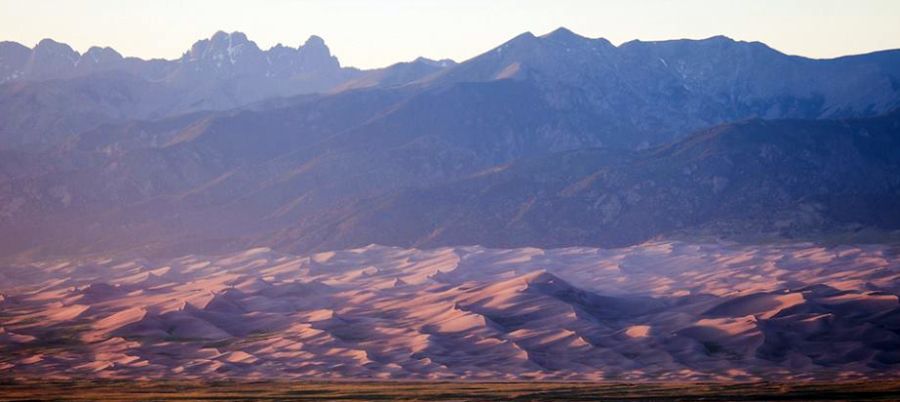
[[661, 311]]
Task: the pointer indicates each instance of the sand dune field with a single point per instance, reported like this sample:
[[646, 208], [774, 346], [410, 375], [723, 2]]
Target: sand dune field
[[662, 311]]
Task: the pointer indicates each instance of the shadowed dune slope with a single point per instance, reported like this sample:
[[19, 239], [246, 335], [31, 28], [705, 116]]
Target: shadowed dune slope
[[664, 311]]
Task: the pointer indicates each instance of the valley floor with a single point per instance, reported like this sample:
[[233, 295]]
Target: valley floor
[[446, 391]]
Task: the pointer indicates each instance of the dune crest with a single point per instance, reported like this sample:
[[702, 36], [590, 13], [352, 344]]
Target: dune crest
[[657, 311]]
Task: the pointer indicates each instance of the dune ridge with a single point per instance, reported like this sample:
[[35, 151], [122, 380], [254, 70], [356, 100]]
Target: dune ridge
[[660, 311]]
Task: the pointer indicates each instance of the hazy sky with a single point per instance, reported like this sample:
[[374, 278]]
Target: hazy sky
[[377, 33]]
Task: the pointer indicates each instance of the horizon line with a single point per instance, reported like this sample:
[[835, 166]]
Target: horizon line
[[560, 29]]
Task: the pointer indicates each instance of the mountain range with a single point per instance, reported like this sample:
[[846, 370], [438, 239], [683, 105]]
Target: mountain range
[[553, 140], [222, 72]]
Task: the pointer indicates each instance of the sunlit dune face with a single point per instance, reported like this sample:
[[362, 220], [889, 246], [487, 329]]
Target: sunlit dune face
[[660, 311], [638, 331]]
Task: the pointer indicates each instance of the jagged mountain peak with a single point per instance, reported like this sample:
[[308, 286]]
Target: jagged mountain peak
[[719, 39], [9, 46], [570, 40], [522, 39], [558, 55], [51, 48], [50, 57], [561, 36], [48, 43], [222, 46], [315, 41], [435, 63], [563, 33], [234, 38], [98, 54], [315, 55]]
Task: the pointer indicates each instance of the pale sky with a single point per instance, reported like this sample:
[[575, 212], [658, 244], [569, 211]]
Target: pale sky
[[373, 33]]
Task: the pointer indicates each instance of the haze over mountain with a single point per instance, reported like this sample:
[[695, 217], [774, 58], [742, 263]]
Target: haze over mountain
[[581, 91], [222, 56], [754, 178], [556, 208], [222, 72], [549, 140]]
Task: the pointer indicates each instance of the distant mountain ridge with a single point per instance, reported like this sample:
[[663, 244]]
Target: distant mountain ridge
[[309, 67], [222, 72], [639, 93], [549, 140], [582, 91], [222, 55]]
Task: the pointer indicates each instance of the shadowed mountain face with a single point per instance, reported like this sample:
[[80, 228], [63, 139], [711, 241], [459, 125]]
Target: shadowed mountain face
[[209, 186], [553, 141], [781, 177]]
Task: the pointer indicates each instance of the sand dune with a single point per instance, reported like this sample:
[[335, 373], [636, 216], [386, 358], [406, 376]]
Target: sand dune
[[657, 311]]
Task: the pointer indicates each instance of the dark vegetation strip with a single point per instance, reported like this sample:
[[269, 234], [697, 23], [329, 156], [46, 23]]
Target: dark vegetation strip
[[444, 391]]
